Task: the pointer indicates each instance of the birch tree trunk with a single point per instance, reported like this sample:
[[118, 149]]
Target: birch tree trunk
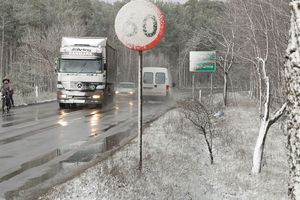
[[260, 142], [259, 148], [292, 77], [260, 93]]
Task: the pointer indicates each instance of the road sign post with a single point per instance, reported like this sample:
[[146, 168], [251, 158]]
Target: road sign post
[[140, 108], [140, 26]]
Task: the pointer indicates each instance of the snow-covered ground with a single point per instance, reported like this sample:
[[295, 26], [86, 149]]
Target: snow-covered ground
[[21, 100], [176, 163]]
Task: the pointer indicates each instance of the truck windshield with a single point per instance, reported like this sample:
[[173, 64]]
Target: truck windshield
[[80, 66]]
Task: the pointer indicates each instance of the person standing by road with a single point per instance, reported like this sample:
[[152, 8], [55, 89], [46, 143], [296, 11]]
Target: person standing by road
[[11, 92], [7, 91]]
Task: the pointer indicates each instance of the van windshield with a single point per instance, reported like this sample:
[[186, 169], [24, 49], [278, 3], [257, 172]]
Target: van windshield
[[160, 78], [126, 85], [79, 66]]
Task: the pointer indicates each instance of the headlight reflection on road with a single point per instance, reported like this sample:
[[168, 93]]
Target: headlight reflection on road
[[94, 122], [94, 112], [62, 122], [130, 103], [62, 113]]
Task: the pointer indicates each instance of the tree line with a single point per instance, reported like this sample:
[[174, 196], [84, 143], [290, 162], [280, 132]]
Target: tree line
[[250, 38], [31, 32], [240, 32]]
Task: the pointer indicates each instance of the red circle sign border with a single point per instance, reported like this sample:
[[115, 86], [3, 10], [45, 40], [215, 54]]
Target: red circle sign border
[[156, 40]]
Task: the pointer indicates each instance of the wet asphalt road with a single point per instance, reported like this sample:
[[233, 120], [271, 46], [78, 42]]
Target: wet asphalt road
[[40, 143]]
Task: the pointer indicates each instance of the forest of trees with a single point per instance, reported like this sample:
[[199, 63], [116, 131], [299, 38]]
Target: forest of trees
[[240, 31], [250, 38]]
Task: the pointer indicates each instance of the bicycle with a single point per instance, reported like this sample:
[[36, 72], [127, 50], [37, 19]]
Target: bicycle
[[5, 104]]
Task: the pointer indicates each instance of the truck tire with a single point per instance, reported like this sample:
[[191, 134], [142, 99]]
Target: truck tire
[[62, 105]]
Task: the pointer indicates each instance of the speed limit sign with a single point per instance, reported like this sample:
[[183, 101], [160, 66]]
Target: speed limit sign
[[140, 25]]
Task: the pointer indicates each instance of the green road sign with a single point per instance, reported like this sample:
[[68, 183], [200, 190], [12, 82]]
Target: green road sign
[[202, 61]]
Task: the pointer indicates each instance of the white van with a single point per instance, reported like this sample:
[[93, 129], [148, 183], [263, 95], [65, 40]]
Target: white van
[[157, 82]]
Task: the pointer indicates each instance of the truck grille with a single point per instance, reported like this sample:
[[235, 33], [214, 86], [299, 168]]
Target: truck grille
[[74, 85]]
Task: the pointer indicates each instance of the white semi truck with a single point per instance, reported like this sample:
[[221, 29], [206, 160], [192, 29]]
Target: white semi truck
[[86, 71]]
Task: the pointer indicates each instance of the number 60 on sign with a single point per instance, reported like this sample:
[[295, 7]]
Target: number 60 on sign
[[140, 25]]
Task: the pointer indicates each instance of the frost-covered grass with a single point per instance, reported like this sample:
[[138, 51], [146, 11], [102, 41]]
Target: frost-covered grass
[[32, 99], [176, 164]]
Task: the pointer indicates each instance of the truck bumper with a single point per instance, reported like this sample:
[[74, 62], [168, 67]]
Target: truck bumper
[[80, 97]]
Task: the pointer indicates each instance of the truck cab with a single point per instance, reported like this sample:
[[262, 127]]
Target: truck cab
[[82, 71]]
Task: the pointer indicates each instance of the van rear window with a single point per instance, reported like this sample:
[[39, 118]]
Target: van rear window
[[148, 77], [160, 78]]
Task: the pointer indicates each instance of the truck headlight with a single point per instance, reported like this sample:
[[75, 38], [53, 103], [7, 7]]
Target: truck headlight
[[100, 87], [60, 86], [117, 92], [131, 92], [62, 96], [96, 96]]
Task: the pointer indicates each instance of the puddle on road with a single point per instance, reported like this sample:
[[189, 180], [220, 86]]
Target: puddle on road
[[27, 134], [37, 116], [16, 122], [66, 168], [34, 163]]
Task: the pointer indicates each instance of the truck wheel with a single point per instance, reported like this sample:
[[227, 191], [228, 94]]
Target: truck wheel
[[62, 105]]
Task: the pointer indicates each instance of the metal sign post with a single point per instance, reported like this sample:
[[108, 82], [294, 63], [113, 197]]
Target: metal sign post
[[140, 26], [211, 85], [193, 86]]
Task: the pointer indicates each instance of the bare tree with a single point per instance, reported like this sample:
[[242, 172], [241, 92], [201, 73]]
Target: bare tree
[[265, 124], [224, 37], [259, 33], [3, 24], [263, 25], [200, 117], [38, 52], [292, 77]]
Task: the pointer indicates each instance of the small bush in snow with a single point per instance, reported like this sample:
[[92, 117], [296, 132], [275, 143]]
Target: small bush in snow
[[200, 116]]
